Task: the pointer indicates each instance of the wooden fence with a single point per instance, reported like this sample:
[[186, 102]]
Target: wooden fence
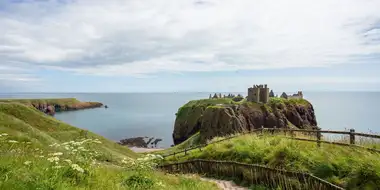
[[252, 174], [312, 133]]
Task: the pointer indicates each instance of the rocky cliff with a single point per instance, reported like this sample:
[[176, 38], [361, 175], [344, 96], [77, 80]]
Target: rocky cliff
[[219, 117], [51, 106]]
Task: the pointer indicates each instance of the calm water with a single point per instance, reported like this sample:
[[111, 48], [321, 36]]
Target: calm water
[[153, 114]]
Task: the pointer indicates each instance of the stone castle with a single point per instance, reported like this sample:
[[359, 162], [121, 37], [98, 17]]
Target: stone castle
[[260, 94]]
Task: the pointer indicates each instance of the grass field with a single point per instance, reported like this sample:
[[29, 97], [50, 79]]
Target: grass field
[[40, 152], [352, 168]]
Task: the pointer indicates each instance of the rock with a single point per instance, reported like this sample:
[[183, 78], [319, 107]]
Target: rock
[[140, 142], [213, 120], [136, 141], [271, 93]]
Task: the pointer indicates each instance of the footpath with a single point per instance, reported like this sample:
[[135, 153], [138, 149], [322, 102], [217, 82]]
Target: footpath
[[222, 184]]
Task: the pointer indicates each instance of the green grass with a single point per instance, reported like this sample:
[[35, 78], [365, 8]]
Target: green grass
[[352, 168], [59, 101], [40, 152]]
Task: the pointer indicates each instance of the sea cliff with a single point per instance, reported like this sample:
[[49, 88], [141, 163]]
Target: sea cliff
[[51, 106], [223, 116]]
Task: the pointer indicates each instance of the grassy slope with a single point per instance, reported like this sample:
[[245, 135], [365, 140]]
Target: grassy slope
[[345, 166], [26, 136], [60, 101]]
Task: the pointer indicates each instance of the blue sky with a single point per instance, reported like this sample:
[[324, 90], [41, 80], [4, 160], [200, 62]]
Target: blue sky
[[182, 45]]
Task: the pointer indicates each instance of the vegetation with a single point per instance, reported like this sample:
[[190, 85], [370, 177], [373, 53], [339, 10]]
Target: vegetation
[[59, 101], [274, 102], [40, 152], [348, 167]]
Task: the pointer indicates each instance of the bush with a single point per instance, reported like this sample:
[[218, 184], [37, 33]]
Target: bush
[[139, 182]]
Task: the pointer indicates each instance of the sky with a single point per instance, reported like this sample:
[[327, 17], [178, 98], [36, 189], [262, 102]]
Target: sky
[[189, 45]]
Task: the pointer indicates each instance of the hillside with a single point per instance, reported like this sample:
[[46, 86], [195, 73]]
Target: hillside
[[223, 116], [40, 152], [351, 168]]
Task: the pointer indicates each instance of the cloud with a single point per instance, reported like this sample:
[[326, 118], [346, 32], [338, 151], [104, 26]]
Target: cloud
[[135, 38]]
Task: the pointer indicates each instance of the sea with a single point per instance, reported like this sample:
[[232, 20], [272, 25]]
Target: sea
[[153, 114]]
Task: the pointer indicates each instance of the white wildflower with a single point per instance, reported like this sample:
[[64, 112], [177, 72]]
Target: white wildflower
[[42, 156], [53, 159], [75, 150], [67, 147], [77, 167], [36, 149], [27, 163], [68, 161], [160, 184], [4, 134], [56, 154], [12, 141], [28, 142]]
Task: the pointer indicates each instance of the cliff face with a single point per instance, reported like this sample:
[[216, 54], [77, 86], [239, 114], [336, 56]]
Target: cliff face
[[219, 117]]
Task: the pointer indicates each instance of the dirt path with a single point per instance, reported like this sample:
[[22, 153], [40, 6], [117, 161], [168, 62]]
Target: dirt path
[[225, 185], [141, 150], [222, 184]]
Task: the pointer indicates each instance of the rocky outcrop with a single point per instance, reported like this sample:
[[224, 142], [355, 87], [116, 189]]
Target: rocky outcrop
[[140, 142], [224, 119]]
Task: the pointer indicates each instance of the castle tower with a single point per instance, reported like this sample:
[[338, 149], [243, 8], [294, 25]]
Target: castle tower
[[264, 94]]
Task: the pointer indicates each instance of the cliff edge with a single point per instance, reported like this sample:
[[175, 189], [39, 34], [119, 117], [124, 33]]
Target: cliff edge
[[223, 116]]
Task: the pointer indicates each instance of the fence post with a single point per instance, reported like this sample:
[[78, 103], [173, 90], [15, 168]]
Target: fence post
[[352, 136], [262, 130], [319, 138]]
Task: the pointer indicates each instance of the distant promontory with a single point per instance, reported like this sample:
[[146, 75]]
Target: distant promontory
[[51, 106]]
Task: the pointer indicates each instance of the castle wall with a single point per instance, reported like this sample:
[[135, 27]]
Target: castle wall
[[264, 95]]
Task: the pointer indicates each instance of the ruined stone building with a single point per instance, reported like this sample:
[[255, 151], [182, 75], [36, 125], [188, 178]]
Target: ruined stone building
[[258, 93], [299, 95]]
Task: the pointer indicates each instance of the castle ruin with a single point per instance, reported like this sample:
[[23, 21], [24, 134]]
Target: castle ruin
[[299, 95], [258, 93]]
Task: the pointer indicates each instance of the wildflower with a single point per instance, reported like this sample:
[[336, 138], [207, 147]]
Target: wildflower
[[81, 148], [28, 142], [56, 154], [36, 149], [77, 167], [53, 159], [160, 184], [42, 156], [67, 147], [27, 163], [68, 161], [75, 150], [4, 134], [12, 141], [57, 167]]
